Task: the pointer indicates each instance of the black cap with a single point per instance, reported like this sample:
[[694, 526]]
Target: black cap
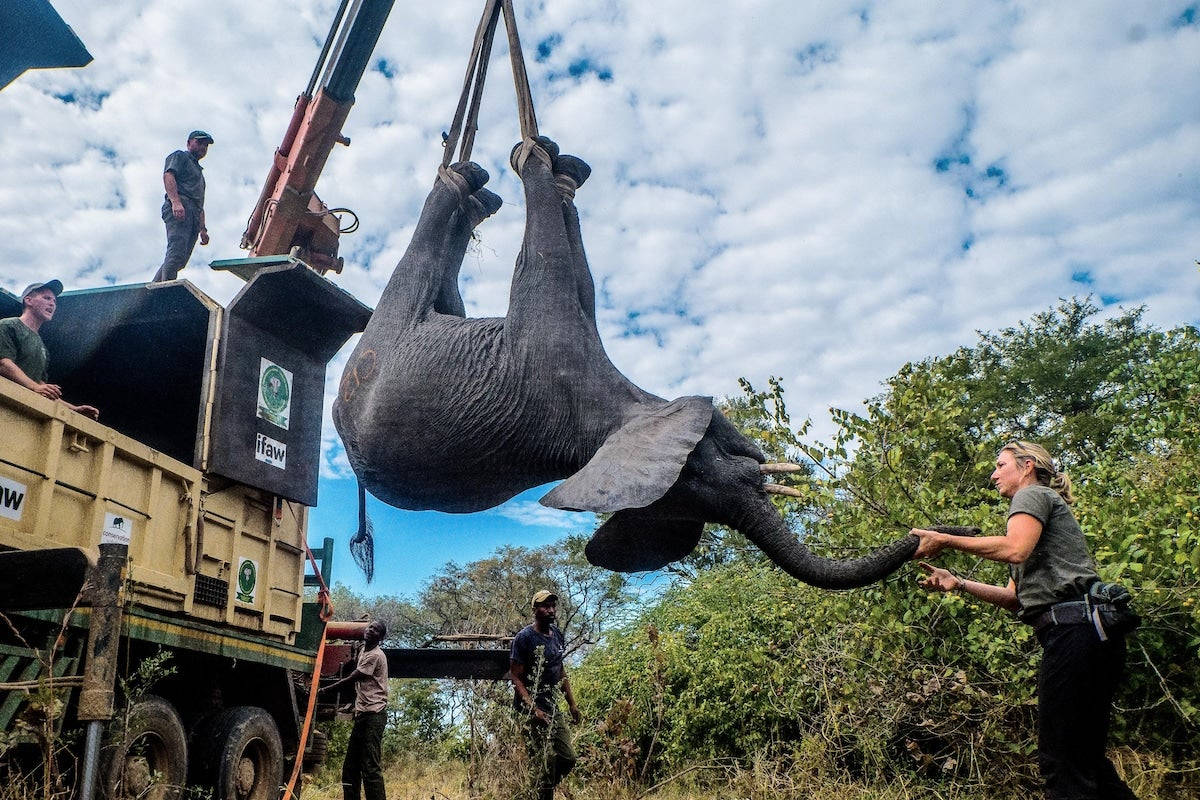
[[53, 285], [201, 135]]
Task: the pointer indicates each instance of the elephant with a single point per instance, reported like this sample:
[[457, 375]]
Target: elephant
[[439, 411]]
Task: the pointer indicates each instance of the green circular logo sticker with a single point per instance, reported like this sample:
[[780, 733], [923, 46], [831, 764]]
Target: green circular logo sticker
[[247, 578], [275, 389]]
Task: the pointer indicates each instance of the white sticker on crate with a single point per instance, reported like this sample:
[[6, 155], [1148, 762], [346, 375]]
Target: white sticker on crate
[[270, 451], [118, 529], [12, 498], [247, 580]]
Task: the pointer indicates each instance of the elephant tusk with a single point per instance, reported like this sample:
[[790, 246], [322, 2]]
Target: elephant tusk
[[771, 469], [775, 488]]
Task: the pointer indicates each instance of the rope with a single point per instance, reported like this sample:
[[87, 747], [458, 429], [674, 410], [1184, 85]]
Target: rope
[[325, 614], [529, 128], [466, 114], [476, 73]]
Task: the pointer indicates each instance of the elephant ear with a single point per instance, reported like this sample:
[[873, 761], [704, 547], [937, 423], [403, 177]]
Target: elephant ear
[[638, 463], [633, 542]]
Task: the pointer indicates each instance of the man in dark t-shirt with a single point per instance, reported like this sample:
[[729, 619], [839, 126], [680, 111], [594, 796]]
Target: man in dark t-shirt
[[538, 677], [183, 204], [24, 359]]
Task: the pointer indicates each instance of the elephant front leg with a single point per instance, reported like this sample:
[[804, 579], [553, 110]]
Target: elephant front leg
[[474, 209], [456, 203]]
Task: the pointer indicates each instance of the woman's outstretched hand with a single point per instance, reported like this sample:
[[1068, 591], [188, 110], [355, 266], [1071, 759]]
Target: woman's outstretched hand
[[938, 579]]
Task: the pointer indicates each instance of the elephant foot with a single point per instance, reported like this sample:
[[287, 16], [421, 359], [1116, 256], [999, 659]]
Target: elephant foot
[[543, 148], [481, 205], [465, 177], [570, 172]]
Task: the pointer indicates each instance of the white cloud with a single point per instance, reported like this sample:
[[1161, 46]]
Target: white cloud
[[535, 514], [820, 193]]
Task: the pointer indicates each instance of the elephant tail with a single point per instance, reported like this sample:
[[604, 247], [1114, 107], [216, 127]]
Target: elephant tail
[[362, 544]]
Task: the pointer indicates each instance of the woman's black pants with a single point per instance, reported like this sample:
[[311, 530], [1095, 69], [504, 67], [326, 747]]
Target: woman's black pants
[[1076, 683]]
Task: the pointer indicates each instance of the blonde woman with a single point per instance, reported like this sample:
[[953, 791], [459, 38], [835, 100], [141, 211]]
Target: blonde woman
[[1050, 572]]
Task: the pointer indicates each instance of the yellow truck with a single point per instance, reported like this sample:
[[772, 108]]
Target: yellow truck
[[199, 476]]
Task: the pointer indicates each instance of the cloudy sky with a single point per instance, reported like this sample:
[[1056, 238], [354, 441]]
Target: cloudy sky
[[821, 191]]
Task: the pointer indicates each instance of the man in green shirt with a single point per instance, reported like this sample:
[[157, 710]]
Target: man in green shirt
[[23, 356]]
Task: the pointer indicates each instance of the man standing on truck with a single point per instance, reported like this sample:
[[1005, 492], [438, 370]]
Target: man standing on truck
[[538, 677], [363, 767], [183, 204], [23, 355]]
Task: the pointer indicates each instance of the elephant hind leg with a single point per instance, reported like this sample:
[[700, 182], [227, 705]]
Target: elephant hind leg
[[570, 172], [552, 287]]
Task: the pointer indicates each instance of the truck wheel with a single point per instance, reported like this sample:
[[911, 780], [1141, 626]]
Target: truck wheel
[[242, 758], [148, 759]]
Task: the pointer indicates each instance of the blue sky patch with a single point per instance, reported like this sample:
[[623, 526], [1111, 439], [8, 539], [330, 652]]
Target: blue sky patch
[[945, 163], [91, 99], [546, 46], [1186, 18], [1083, 276], [582, 66], [92, 266], [815, 55], [633, 328], [385, 67]]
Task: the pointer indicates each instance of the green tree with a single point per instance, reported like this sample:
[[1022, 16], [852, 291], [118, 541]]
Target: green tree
[[740, 661], [491, 595]]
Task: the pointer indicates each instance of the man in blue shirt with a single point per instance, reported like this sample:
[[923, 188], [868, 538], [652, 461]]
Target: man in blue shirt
[[538, 678], [183, 204]]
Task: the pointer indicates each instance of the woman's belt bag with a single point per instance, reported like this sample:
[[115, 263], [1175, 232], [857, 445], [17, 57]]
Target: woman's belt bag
[[1106, 607]]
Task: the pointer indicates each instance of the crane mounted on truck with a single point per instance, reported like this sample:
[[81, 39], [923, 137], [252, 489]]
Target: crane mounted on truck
[[289, 217], [179, 525]]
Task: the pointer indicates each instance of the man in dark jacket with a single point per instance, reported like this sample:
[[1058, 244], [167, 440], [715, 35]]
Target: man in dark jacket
[[538, 677], [183, 204]]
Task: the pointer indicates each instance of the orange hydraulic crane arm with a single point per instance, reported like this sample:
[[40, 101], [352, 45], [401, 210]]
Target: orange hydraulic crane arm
[[289, 214]]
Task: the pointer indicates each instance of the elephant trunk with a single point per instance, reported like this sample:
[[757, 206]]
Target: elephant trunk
[[765, 528]]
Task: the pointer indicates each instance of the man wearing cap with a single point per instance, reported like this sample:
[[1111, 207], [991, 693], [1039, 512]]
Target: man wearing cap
[[23, 355], [183, 206], [538, 677]]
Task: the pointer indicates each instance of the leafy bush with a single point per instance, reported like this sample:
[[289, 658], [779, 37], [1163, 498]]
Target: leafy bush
[[889, 679]]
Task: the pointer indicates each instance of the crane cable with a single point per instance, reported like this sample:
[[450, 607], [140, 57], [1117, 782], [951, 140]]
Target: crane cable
[[325, 614]]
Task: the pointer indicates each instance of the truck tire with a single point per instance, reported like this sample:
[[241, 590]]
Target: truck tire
[[149, 758], [241, 755]]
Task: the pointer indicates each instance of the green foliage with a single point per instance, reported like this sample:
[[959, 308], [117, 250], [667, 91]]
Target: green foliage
[[406, 623], [492, 595], [889, 679], [416, 719], [417, 726]]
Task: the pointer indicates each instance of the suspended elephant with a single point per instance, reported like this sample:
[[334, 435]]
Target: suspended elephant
[[442, 412]]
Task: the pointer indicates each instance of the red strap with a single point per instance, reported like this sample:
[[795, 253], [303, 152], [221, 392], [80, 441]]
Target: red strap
[[326, 614]]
